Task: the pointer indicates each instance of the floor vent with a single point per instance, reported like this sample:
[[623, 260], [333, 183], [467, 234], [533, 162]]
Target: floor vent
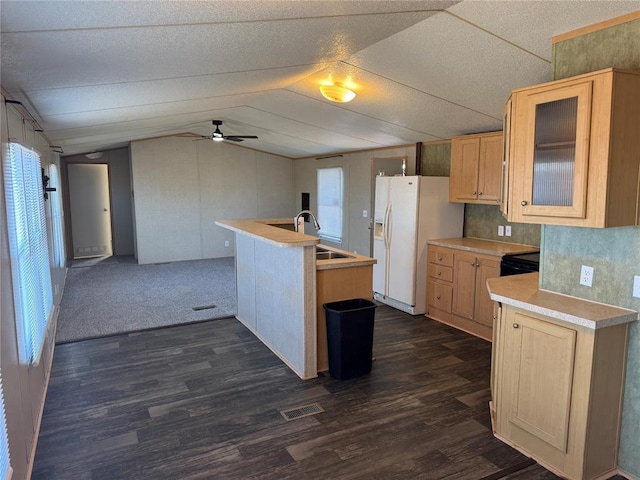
[[299, 412], [204, 307]]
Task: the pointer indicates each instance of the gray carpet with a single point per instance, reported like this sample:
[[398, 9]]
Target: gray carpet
[[116, 295]]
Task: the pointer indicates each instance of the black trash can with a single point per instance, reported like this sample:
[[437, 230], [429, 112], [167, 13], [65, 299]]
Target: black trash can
[[350, 337]]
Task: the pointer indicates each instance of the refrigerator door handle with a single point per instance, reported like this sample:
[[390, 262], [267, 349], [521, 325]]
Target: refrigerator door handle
[[388, 223], [385, 226]]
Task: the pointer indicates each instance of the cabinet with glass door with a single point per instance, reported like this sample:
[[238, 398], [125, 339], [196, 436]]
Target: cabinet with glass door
[[570, 151]]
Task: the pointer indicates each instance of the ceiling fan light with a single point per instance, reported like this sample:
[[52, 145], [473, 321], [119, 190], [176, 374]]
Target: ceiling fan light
[[337, 93], [217, 135]]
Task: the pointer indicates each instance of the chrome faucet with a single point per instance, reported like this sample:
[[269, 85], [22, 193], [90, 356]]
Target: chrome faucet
[[296, 219]]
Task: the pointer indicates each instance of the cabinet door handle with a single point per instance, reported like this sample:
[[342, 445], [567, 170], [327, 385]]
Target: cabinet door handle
[[473, 264], [480, 193], [474, 193], [515, 325], [495, 317], [439, 273], [523, 203], [438, 297], [439, 259]]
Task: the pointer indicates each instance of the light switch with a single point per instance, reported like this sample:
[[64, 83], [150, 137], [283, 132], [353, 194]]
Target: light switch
[[365, 214]]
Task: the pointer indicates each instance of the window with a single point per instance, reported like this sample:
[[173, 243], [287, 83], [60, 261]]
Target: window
[[29, 249], [330, 203], [5, 461]]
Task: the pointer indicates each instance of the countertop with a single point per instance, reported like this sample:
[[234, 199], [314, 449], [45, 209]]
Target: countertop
[[263, 229], [485, 247], [522, 291]]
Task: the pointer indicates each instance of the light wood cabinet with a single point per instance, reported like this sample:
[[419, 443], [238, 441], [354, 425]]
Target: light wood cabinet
[[557, 391], [476, 168], [440, 281], [571, 151], [471, 300], [334, 285], [456, 289]]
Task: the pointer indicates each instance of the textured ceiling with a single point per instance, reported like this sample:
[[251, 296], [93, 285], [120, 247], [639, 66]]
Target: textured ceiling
[[98, 74]]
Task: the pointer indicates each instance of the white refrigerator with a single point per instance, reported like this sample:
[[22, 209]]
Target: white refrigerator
[[408, 212]]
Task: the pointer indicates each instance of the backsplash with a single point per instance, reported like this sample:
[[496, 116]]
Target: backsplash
[[482, 221]]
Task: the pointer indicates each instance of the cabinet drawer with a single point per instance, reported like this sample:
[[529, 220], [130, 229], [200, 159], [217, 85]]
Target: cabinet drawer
[[441, 257], [440, 295], [441, 272]]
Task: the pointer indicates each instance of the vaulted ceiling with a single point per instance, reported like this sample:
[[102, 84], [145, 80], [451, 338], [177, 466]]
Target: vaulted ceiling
[[98, 74]]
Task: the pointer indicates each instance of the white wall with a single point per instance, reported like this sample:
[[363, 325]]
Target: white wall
[[357, 170], [181, 187], [24, 387]]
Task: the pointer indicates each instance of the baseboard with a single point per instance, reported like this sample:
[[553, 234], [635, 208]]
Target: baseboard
[[627, 475]]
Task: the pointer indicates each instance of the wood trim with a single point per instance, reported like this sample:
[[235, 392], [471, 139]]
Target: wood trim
[[392, 147], [627, 475], [612, 22]]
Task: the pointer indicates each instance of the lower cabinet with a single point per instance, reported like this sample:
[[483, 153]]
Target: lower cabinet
[[557, 391], [334, 285], [456, 289]]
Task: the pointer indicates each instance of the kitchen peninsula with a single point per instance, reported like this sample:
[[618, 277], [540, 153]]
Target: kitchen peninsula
[[276, 283]]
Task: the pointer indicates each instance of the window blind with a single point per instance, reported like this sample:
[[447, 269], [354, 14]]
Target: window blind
[[330, 203], [5, 461], [28, 248]]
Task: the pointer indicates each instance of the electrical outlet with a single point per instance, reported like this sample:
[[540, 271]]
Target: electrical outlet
[[636, 286], [365, 214], [226, 243], [501, 230], [586, 276], [507, 230]]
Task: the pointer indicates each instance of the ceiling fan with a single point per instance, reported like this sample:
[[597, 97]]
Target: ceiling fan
[[218, 136]]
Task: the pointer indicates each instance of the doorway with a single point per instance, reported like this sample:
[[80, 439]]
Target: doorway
[[90, 209]]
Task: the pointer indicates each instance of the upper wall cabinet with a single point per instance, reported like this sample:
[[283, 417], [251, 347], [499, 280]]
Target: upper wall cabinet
[[571, 155], [476, 168]]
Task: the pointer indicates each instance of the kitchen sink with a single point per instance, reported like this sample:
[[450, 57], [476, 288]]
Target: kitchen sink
[[329, 255], [284, 226], [324, 254]]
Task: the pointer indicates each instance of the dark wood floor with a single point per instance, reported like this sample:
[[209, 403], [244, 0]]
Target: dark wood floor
[[203, 401]]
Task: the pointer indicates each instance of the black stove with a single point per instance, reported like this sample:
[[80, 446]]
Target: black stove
[[522, 263]]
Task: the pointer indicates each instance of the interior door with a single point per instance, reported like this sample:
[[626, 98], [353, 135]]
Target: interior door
[[90, 207]]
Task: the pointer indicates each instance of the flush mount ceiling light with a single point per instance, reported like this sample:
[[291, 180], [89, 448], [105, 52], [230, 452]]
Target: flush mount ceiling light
[[94, 155], [337, 93]]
